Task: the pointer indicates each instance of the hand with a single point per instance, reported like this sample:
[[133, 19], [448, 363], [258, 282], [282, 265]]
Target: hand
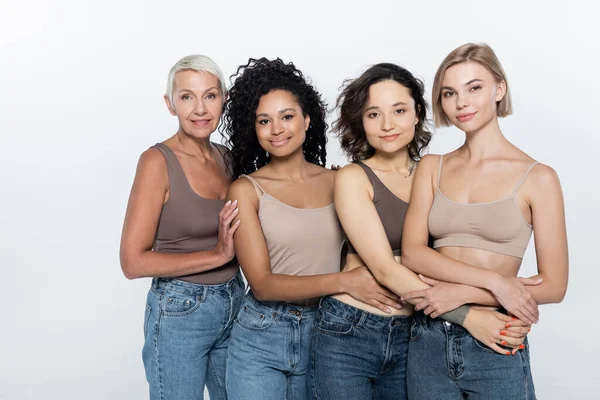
[[224, 246], [360, 284], [440, 298], [487, 326], [513, 296]]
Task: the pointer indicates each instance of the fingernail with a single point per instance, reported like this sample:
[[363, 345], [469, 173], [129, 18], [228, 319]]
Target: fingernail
[[389, 310], [514, 318], [398, 306], [235, 202], [521, 346], [238, 221], [529, 330], [228, 202], [508, 353], [508, 325], [503, 343], [503, 333], [236, 210]]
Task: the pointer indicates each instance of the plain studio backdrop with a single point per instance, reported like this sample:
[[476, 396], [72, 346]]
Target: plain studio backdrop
[[82, 85]]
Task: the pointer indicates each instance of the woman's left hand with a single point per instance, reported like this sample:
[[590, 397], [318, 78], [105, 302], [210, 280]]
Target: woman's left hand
[[439, 299]]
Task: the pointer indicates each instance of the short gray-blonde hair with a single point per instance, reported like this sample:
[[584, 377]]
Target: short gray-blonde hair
[[484, 56], [195, 62]]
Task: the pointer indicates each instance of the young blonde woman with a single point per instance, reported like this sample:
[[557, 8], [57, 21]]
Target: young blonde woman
[[480, 203]]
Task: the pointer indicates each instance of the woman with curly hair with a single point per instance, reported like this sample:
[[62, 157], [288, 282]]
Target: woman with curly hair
[[480, 203], [358, 352], [289, 239], [178, 231]]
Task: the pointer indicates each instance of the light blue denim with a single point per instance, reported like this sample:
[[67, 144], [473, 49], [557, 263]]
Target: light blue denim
[[446, 363], [269, 351], [187, 330], [358, 355]]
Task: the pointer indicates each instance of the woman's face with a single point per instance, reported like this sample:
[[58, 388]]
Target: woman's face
[[470, 95], [280, 124], [197, 102], [389, 118]]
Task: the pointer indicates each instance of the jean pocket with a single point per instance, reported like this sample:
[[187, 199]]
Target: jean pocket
[[331, 324], [146, 318], [415, 330], [481, 346], [250, 318], [177, 304]]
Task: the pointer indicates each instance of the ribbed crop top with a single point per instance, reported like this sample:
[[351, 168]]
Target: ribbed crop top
[[301, 241], [391, 210], [496, 226]]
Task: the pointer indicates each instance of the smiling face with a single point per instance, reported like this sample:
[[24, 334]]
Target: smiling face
[[197, 103], [470, 95], [389, 118], [280, 123]]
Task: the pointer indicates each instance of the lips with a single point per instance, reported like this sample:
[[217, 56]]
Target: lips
[[200, 122], [390, 138], [465, 117], [279, 142]]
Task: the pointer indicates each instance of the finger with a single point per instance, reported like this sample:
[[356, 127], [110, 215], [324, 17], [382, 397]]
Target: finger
[[414, 294], [522, 316], [388, 301], [428, 280], [225, 207], [231, 208], [229, 219], [233, 228], [429, 309], [421, 304], [390, 294], [529, 313], [518, 323], [534, 309], [381, 306], [514, 332], [532, 280], [498, 349], [510, 341]]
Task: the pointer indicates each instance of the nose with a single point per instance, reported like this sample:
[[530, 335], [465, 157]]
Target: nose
[[276, 127], [461, 102], [387, 123], [200, 108]]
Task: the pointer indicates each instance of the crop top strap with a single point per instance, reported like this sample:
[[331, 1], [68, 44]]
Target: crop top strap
[[524, 176], [440, 170], [259, 190]]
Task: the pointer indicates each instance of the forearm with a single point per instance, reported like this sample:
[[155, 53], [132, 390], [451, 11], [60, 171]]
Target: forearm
[[397, 277], [548, 291], [424, 260], [290, 288], [155, 264]]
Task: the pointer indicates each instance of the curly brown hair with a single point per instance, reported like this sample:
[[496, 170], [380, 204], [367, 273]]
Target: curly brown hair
[[351, 103]]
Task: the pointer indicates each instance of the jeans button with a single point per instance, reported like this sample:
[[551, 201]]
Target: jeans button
[[447, 323]]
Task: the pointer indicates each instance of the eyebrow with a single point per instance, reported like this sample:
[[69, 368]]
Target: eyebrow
[[400, 103], [191, 91], [466, 84], [280, 112]]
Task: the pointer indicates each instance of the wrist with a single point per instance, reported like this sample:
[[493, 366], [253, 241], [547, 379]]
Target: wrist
[[220, 258], [495, 283], [469, 317]]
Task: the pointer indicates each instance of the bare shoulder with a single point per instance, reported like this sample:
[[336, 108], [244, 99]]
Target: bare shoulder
[[241, 188], [351, 175], [152, 159], [543, 177], [429, 163]]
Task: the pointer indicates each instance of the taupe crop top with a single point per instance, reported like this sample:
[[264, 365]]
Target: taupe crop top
[[301, 241], [496, 226], [391, 210]]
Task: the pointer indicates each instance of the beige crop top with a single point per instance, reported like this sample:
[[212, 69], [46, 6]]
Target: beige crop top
[[301, 241], [496, 226]]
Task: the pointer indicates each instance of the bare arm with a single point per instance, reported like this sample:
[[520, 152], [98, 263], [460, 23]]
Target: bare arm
[[420, 258], [147, 197], [253, 255]]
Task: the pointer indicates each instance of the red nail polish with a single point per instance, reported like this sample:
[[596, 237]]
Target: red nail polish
[[503, 343], [529, 330], [521, 346], [514, 318], [508, 325], [503, 333], [508, 353]]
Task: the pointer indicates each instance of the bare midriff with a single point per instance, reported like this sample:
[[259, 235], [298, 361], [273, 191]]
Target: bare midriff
[[354, 261], [507, 266]]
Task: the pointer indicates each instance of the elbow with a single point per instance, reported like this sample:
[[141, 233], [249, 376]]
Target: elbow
[[382, 276], [261, 293], [130, 268], [559, 295]]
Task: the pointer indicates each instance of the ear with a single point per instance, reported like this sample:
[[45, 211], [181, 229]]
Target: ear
[[306, 122], [500, 90], [169, 105], [418, 109]]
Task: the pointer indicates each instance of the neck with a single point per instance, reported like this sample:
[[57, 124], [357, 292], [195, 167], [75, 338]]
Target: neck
[[485, 142], [197, 147], [399, 160], [293, 167]]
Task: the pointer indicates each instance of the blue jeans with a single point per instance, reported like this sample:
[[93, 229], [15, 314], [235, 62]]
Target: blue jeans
[[186, 330], [446, 363], [269, 351], [358, 355]]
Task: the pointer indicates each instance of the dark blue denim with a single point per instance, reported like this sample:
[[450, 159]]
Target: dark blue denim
[[446, 363], [187, 329], [269, 351], [358, 355]]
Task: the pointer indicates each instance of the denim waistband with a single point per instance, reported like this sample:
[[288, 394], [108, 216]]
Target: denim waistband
[[360, 317], [437, 323], [177, 285], [280, 308]]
